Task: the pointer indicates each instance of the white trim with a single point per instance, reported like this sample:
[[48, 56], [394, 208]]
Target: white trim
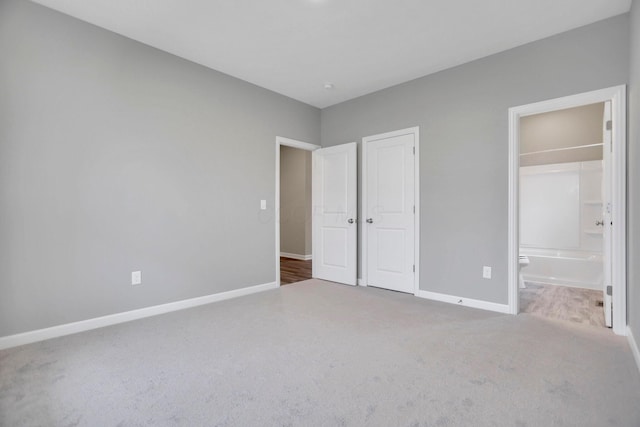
[[467, 302], [296, 256], [513, 220], [296, 144], [363, 281], [617, 96], [416, 202], [127, 316], [416, 185], [634, 346], [280, 140]]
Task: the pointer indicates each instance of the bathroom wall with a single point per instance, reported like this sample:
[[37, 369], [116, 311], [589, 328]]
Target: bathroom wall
[[561, 196], [574, 130], [295, 202]]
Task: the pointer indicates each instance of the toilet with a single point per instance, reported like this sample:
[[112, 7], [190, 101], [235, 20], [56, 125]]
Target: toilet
[[523, 261]]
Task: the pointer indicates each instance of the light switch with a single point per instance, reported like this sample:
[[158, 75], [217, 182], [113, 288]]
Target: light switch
[[263, 204], [486, 272]]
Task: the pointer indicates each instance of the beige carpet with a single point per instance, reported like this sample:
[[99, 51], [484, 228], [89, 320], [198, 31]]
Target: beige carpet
[[322, 354]]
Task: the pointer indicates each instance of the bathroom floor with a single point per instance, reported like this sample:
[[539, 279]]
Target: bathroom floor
[[563, 303]]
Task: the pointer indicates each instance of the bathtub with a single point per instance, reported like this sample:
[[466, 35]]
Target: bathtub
[[578, 269]]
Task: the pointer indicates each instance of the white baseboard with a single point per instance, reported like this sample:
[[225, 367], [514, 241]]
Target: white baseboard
[[296, 256], [361, 282], [112, 319], [634, 346], [467, 302]]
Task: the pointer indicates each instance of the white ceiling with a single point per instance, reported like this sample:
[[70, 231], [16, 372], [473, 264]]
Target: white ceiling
[[293, 47]]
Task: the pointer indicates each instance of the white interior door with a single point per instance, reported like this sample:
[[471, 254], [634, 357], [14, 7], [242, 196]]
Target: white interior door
[[335, 206], [389, 211], [606, 214]]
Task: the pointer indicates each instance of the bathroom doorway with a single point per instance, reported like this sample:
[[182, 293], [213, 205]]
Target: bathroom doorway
[[566, 195], [562, 244]]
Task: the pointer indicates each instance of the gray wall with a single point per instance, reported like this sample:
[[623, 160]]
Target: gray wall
[[115, 157], [462, 114], [295, 201], [633, 182], [571, 127]]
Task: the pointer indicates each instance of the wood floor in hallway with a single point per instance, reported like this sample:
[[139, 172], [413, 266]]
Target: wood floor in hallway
[[294, 270]]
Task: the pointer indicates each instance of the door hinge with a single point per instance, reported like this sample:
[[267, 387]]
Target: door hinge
[[414, 209], [609, 125], [414, 268], [414, 150], [609, 290]]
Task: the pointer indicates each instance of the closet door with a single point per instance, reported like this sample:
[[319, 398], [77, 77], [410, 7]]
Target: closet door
[[335, 206], [389, 211]]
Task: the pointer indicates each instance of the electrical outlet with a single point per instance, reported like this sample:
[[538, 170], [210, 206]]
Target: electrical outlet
[[263, 204], [136, 277], [486, 272]]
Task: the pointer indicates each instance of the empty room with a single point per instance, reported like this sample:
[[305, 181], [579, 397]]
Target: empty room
[[319, 213]]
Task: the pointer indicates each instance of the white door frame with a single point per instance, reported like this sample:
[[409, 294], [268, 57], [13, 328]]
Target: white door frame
[[415, 131], [617, 96], [295, 144]]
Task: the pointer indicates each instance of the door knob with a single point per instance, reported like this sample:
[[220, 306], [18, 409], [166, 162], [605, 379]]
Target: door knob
[[350, 221], [370, 220], [600, 222]]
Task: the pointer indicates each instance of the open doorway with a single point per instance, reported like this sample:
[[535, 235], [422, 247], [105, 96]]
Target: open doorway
[[293, 203], [295, 215], [562, 194], [567, 207]]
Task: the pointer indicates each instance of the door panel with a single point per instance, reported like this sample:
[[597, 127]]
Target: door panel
[[334, 214], [388, 257], [334, 252], [390, 212]]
